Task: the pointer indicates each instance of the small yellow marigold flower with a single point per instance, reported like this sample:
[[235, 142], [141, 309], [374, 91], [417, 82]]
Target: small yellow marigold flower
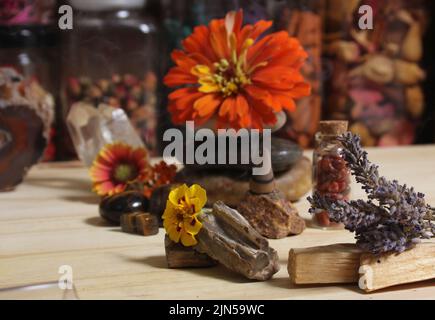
[[180, 218]]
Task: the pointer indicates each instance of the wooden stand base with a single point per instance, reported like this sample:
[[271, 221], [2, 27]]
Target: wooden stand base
[[345, 263]]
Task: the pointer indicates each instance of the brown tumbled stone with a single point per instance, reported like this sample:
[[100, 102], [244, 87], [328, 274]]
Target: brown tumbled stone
[[147, 224], [128, 222]]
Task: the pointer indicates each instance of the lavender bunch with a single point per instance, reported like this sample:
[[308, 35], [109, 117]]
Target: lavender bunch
[[394, 218]]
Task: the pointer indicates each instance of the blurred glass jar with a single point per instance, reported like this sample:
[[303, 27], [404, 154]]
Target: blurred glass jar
[[374, 75], [32, 50], [331, 177], [300, 18], [205, 10], [26, 12], [111, 56], [197, 12], [303, 19], [181, 16]]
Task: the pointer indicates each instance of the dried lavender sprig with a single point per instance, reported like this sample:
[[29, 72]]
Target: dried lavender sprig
[[386, 192], [399, 220], [365, 173], [384, 238], [353, 214], [378, 187]]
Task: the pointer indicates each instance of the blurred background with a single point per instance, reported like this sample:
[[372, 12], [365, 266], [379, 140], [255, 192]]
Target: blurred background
[[380, 80]]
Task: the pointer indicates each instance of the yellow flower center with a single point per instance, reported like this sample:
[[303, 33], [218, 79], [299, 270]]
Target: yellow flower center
[[227, 76], [180, 218], [124, 172], [184, 208], [183, 211]]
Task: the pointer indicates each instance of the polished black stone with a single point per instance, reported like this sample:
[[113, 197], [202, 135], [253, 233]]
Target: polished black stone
[[111, 208], [285, 154]]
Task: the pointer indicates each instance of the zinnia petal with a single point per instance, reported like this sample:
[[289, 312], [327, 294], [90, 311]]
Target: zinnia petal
[[207, 105]]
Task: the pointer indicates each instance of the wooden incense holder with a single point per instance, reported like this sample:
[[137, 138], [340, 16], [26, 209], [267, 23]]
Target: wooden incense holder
[[264, 184], [345, 263]]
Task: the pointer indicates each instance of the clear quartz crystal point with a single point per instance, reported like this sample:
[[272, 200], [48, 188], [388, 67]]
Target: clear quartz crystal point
[[92, 128]]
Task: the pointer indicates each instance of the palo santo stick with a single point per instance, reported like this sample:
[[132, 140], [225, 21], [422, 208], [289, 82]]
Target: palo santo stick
[[388, 270], [345, 263], [336, 263]]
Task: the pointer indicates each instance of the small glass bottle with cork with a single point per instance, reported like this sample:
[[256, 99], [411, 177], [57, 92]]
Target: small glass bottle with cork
[[331, 177]]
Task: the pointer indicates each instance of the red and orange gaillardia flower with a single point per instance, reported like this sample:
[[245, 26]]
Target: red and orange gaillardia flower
[[116, 166], [233, 73]]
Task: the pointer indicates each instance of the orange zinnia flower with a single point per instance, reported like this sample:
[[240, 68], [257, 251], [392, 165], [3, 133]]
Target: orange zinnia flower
[[230, 72], [116, 166]]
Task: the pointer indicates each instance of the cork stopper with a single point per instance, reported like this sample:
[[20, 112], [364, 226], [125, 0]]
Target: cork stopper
[[263, 184], [333, 127]]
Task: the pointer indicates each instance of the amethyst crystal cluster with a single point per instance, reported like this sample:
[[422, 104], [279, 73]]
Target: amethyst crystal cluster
[[393, 219]]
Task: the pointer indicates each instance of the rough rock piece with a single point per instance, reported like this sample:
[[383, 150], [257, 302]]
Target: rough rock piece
[[229, 238], [231, 187], [179, 256], [271, 215]]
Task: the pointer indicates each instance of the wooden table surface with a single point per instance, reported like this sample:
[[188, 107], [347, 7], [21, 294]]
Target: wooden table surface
[[52, 220]]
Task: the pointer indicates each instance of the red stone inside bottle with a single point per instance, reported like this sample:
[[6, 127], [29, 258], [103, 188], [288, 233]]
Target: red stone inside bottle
[[332, 180]]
